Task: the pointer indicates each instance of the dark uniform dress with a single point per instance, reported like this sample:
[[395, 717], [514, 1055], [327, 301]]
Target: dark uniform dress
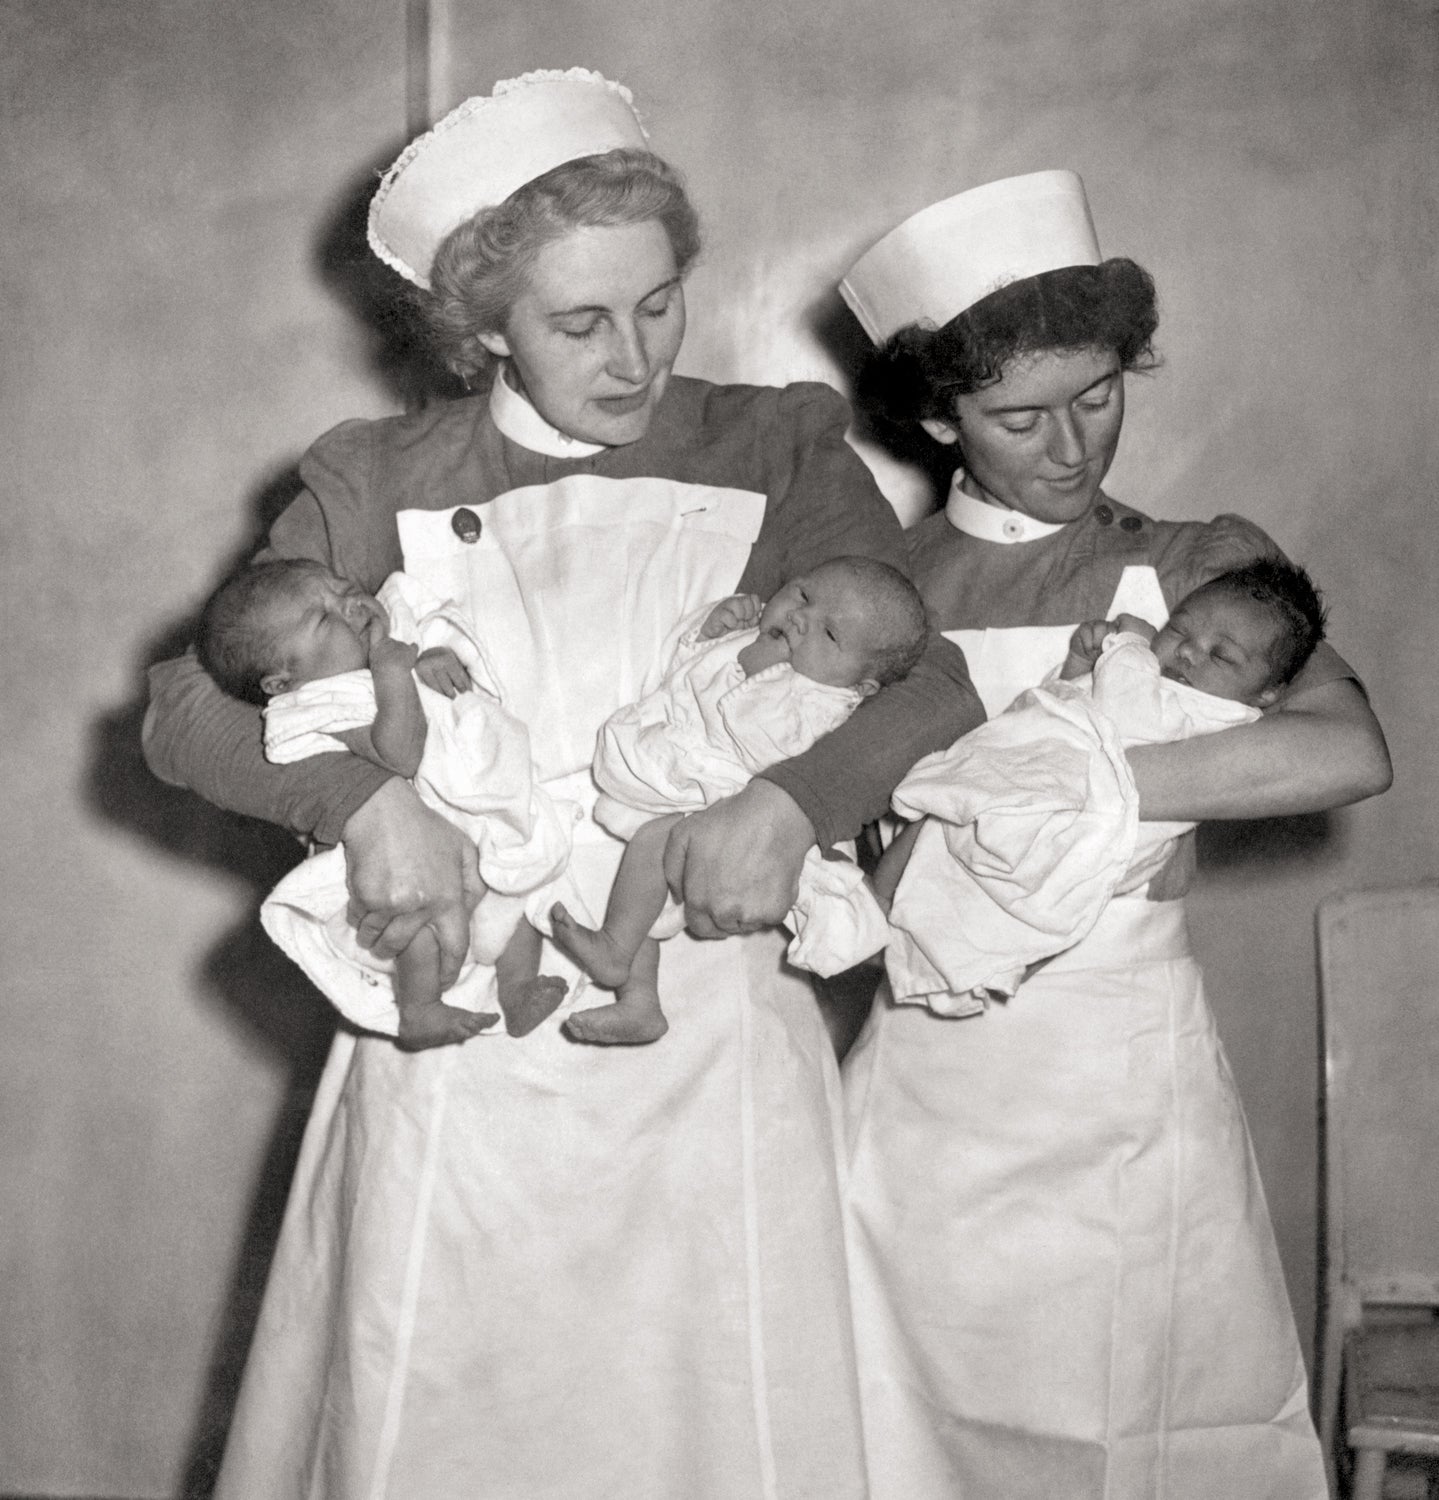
[[1065, 1278]]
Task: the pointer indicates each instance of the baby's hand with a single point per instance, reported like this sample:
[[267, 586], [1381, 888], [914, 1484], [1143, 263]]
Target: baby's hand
[[738, 612], [1088, 641], [439, 668], [1133, 625], [386, 653]]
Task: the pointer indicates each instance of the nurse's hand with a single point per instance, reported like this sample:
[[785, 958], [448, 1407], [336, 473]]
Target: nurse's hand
[[408, 869], [735, 866]]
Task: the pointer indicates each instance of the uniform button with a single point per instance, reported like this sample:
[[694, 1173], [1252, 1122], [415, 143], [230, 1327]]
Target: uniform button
[[466, 525], [1013, 528], [1104, 515], [1131, 523]]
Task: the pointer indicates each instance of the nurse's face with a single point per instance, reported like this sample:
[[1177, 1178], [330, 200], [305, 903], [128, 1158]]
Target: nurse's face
[[594, 335], [1041, 439]]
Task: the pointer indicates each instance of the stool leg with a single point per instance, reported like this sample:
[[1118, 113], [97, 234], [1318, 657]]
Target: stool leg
[[1369, 1473]]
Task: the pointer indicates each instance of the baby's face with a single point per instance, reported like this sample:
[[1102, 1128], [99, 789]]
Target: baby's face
[[323, 628], [819, 624], [1220, 644]]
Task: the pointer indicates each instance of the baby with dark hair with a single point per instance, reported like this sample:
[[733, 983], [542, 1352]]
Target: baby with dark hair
[[323, 658], [1029, 825], [749, 684], [1242, 636]]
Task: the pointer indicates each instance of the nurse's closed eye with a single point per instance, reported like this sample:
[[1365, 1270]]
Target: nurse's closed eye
[[588, 331]]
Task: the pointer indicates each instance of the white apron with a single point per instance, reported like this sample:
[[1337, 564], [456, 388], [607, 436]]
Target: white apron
[[1064, 1276], [534, 1270]]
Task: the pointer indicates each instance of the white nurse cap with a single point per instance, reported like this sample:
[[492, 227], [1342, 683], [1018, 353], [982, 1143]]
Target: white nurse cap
[[948, 256], [487, 147]]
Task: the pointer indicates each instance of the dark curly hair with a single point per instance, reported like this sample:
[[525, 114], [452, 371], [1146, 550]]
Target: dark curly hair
[[920, 371], [1285, 591], [481, 267]]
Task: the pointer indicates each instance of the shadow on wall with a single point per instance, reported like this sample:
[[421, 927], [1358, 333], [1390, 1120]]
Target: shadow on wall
[[250, 980], [831, 324], [382, 303]]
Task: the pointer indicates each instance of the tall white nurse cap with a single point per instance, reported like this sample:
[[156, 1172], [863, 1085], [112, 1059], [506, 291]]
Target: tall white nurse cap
[[948, 256], [487, 147]]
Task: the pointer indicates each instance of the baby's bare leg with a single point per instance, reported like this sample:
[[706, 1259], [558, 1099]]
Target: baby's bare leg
[[425, 1019], [636, 1016], [526, 995], [636, 900], [892, 863]]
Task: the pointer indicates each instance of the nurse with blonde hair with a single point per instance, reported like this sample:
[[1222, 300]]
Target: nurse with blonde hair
[[523, 1267], [1065, 1279]]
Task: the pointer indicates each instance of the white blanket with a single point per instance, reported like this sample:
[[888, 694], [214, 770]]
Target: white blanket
[[1034, 826]]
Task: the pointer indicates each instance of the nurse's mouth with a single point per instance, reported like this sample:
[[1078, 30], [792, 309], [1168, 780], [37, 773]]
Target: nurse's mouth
[[623, 406], [1068, 482]]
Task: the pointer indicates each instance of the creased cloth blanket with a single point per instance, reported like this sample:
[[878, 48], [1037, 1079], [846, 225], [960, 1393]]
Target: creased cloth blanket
[[1034, 826]]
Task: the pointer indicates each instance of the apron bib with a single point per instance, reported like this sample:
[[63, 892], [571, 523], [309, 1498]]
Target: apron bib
[[530, 1268], [1065, 1279]]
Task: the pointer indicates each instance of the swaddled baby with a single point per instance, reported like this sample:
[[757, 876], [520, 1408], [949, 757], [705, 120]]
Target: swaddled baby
[[324, 659], [750, 684]]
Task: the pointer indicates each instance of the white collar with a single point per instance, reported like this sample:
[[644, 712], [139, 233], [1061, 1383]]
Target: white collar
[[521, 423], [992, 523]]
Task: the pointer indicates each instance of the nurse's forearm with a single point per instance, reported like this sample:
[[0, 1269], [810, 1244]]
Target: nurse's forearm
[[1325, 750], [845, 779], [198, 737]]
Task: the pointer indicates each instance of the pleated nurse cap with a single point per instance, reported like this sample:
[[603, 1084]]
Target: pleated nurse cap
[[487, 147], [948, 256]]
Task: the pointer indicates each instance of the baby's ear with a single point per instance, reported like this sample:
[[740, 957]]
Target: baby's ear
[[1266, 697], [274, 683], [867, 687]]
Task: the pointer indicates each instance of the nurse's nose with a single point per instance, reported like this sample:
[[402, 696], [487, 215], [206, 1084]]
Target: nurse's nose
[[1066, 443], [629, 360]]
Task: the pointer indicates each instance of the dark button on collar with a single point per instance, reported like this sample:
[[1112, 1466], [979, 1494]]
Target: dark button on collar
[[466, 525], [1131, 523], [1104, 515]]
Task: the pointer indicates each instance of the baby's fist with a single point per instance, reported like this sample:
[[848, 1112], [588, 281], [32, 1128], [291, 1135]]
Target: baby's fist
[[389, 655], [738, 612]]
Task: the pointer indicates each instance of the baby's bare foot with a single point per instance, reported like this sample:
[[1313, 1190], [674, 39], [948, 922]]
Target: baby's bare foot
[[528, 1003], [595, 952], [629, 1022], [435, 1024]]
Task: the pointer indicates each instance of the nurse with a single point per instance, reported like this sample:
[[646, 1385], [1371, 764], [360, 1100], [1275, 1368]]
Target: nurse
[[1065, 1278], [523, 1268]]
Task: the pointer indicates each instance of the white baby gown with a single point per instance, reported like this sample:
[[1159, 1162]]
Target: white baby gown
[[1034, 827], [702, 735], [476, 770]]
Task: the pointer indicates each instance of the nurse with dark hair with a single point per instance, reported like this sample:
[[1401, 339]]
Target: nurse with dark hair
[[1065, 1279]]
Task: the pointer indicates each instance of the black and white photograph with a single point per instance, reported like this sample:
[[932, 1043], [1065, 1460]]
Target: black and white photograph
[[721, 761]]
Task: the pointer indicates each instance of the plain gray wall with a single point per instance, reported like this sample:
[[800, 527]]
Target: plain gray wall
[[181, 319]]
